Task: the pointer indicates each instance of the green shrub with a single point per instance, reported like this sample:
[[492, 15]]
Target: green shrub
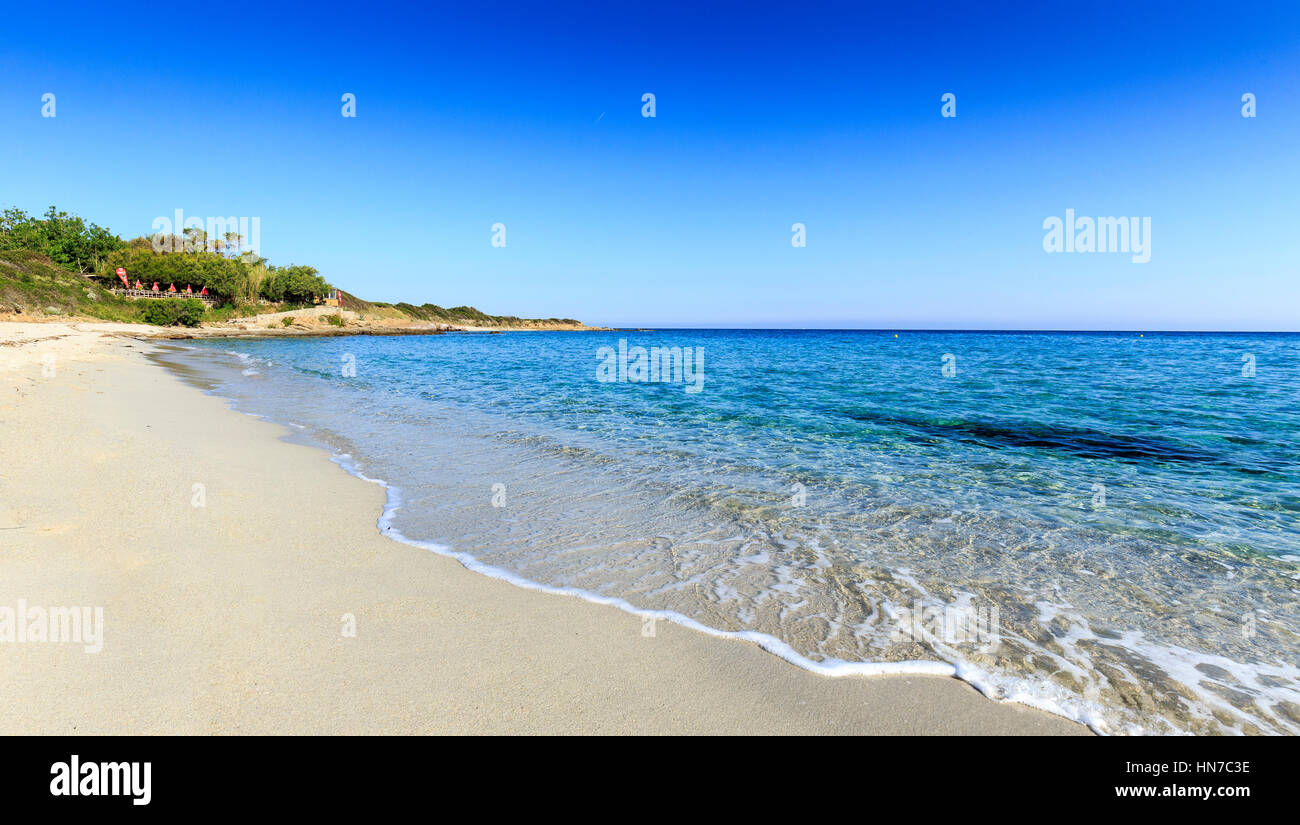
[[172, 311], [65, 239], [293, 284]]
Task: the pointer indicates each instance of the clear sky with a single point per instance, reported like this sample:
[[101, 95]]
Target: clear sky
[[530, 115]]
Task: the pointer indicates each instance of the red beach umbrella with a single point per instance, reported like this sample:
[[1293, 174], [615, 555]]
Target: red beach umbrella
[[155, 286], [203, 291], [171, 287], [137, 284]]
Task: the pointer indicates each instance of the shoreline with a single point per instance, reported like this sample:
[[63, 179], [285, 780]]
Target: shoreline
[[225, 617], [303, 324]]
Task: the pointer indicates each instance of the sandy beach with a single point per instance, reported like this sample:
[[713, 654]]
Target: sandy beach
[[227, 562]]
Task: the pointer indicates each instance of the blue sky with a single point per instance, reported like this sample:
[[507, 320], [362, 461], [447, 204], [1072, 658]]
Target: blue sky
[[828, 115]]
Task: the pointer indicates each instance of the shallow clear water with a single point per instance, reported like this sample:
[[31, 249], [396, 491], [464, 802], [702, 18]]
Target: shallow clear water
[[1104, 525]]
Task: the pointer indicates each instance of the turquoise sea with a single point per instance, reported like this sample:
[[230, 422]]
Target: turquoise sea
[[1105, 525]]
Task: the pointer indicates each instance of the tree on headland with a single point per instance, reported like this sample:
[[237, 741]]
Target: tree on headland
[[296, 284], [230, 273], [195, 239], [230, 280], [65, 239], [38, 253], [233, 241]]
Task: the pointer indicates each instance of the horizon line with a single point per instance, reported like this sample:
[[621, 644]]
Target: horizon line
[[1062, 330]]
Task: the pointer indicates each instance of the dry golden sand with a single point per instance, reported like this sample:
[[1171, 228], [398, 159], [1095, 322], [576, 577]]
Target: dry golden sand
[[227, 618]]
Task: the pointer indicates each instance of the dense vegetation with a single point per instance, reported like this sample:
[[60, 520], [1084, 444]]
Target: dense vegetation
[[30, 282], [231, 280], [468, 316], [184, 311], [65, 239], [60, 264], [231, 277]]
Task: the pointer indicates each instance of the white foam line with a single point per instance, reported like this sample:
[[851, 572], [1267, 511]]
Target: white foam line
[[834, 668], [773, 645]]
